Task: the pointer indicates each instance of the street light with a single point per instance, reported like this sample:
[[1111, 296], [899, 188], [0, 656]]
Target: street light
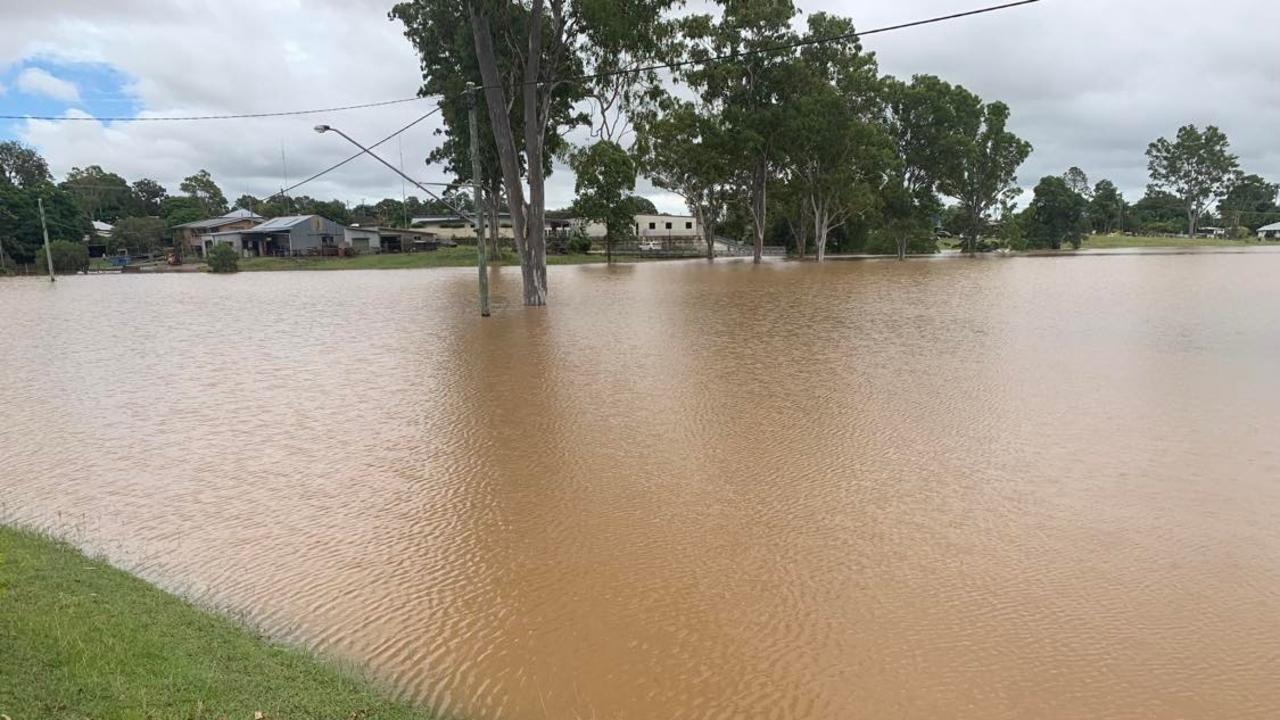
[[481, 260]]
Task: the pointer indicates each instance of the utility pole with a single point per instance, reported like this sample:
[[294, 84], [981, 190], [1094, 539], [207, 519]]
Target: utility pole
[[481, 260], [484, 278], [48, 254]]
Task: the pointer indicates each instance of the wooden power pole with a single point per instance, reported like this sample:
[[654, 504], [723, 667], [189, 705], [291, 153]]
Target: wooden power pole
[[48, 254], [481, 255]]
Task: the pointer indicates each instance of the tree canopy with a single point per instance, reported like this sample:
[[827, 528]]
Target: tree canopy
[[204, 190], [1197, 167], [1057, 215]]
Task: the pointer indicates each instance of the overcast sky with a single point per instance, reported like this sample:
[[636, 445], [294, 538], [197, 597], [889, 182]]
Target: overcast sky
[[1090, 82]]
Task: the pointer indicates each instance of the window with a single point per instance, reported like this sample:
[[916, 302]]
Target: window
[[653, 226], [688, 226], [668, 226]]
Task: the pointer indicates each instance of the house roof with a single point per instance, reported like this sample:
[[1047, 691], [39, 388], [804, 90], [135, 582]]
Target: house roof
[[283, 224], [100, 226], [235, 216], [1273, 227]]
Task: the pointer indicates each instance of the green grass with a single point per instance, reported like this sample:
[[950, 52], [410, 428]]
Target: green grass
[[1114, 242], [461, 256], [80, 639]]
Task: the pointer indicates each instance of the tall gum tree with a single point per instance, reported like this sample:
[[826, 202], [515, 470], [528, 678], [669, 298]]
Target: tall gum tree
[[683, 151], [745, 92], [985, 169], [1196, 166], [441, 34], [924, 121], [835, 152], [546, 48]]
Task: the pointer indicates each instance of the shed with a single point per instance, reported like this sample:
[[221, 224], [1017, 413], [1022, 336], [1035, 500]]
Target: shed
[[1269, 232], [293, 235]]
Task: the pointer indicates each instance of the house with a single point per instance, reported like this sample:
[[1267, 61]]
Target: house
[[452, 227], [196, 234], [374, 239], [1269, 232], [97, 240], [283, 236]]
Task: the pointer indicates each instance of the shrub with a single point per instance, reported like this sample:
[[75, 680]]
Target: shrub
[[68, 258], [579, 243], [223, 259], [1241, 232]]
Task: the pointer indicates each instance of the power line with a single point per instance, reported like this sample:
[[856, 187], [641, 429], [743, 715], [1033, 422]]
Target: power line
[[331, 168], [737, 54], [588, 76], [240, 116]]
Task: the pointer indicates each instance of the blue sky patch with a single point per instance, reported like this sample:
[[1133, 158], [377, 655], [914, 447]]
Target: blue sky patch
[[102, 89]]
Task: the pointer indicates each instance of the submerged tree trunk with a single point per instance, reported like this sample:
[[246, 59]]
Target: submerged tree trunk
[[759, 186], [495, 230], [527, 222], [708, 233], [902, 246], [821, 227]]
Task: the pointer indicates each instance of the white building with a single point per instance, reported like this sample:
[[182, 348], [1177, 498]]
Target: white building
[[1269, 232], [659, 227], [453, 227], [668, 227]]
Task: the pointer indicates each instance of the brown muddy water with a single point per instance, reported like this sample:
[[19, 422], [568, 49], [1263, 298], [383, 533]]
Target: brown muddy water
[[1020, 488]]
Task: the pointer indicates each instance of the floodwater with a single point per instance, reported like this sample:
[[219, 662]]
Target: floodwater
[[987, 489]]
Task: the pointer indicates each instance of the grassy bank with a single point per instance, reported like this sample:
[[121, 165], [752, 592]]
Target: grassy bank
[[444, 257], [80, 639], [1116, 242]]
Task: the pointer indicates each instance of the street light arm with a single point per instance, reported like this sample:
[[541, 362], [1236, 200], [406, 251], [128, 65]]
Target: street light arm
[[396, 170]]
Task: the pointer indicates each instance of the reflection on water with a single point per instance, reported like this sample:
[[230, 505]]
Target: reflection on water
[[964, 489]]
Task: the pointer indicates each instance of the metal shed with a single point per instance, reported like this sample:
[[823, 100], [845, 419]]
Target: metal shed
[[294, 235]]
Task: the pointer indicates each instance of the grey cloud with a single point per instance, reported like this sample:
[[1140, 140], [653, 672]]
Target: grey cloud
[[1090, 82]]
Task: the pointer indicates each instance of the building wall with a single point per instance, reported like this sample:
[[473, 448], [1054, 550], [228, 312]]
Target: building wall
[[460, 230], [194, 237], [370, 235], [310, 235], [656, 226]]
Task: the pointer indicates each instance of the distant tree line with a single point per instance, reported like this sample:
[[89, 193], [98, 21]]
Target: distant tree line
[[1195, 182]]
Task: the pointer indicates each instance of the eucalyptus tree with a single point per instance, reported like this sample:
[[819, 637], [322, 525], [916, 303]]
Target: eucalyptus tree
[[605, 175], [1196, 166], [685, 152], [1107, 207], [985, 170], [529, 57], [1058, 214], [441, 34], [1078, 181], [1251, 202], [100, 194], [925, 121], [202, 187], [147, 195], [834, 150], [745, 92], [22, 166]]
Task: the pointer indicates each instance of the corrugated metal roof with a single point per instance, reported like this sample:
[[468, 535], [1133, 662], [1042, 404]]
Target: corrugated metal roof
[[282, 224], [1273, 227], [234, 216]]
